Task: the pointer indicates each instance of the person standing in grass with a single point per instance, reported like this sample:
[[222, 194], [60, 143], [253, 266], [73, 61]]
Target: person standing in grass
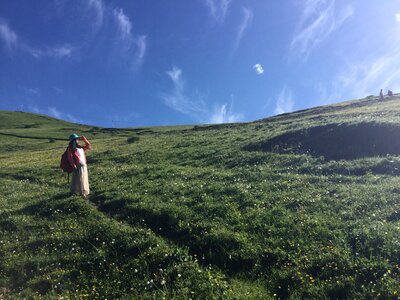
[[381, 95], [77, 159]]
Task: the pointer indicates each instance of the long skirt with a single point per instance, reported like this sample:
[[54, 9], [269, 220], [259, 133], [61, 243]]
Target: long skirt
[[80, 181]]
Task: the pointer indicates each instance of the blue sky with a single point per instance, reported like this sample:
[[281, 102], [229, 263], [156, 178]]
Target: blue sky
[[140, 63]]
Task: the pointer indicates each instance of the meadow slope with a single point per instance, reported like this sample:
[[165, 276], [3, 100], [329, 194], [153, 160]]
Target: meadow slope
[[300, 205]]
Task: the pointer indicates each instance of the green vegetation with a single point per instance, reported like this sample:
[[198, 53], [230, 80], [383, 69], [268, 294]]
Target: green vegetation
[[205, 212]]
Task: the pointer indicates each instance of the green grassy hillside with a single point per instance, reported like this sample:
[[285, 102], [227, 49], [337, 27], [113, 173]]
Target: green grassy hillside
[[301, 205]]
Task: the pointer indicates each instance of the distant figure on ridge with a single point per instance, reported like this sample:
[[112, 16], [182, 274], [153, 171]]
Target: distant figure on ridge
[[381, 95], [77, 159], [390, 93]]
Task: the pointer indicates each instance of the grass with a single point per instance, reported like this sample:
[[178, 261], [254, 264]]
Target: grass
[[188, 212]]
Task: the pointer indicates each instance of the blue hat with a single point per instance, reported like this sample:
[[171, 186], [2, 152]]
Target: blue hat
[[73, 137]]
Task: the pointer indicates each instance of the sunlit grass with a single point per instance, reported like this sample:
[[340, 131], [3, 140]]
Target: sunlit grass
[[188, 213]]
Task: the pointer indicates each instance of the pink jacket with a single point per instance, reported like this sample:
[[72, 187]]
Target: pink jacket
[[73, 155]]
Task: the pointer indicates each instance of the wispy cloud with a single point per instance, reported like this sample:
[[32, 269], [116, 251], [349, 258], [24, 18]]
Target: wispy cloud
[[133, 47], [398, 17], [124, 24], [218, 8], [31, 106], [98, 9], [33, 91], [247, 18], [129, 48], [62, 51], [368, 77], [176, 76], [54, 112], [319, 20], [258, 69], [8, 36], [12, 41], [177, 98], [365, 73], [224, 114], [193, 104], [141, 44], [212, 7], [55, 52], [284, 102]]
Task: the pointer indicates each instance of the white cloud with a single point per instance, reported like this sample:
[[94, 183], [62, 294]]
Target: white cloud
[[130, 48], [124, 24], [194, 105], [212, 7], [55, 52], [218, 8], [224, 6], [312, 7], [53, 112], [246, 21], [34, 91], [34, 109], [365, 73], [98, 8], [319, 20], [398, 17], [141, 43], [61, 51], [133, 48], [176, 76], [224, 114], [369, 76], [178, 100], [258, 69], [284, 102], [12, 41], [8, 36]]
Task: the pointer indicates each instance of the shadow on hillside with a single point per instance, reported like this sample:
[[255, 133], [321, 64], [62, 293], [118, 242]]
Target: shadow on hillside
[[19, 177], [48, 208], [125, 131], [336, 141], [33, 137], [223, 249]]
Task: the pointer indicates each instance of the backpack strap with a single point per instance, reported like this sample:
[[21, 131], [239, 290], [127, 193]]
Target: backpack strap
[[67, 172]]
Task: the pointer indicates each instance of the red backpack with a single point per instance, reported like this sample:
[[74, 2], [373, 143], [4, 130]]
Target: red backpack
[[65, 165]]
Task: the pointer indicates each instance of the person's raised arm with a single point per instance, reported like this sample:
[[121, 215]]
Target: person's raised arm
[[87, 144]]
